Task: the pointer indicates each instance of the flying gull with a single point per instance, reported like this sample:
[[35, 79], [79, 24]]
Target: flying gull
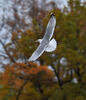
[[46, 44]]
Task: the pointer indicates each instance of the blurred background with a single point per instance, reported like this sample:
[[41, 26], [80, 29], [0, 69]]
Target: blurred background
[[60, 75]]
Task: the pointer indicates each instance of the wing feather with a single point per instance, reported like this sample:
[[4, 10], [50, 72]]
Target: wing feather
[[50, 29], [38, 52]]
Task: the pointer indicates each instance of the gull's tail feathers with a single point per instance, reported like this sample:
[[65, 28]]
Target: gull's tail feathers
[[52, 46]]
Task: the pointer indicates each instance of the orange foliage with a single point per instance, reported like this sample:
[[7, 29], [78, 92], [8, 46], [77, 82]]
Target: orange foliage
[[18, 83], [29, 71]]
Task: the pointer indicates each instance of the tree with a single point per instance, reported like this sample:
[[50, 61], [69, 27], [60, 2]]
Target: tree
[[37, 82]]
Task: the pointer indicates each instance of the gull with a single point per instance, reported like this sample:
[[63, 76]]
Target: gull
[[46, 44]]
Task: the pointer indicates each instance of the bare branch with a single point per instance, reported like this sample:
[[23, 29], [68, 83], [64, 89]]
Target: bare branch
[[57, 75], [7, 52], [20, 90]]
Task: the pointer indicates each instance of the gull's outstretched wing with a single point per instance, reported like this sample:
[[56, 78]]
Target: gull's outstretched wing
[[46, 39], [38, 51], [50, 28]]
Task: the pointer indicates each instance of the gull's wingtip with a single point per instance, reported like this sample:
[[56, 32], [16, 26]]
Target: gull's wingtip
[[52, 14], [30, 59]]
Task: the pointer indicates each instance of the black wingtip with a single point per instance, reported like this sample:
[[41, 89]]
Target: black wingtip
[[52, 14]]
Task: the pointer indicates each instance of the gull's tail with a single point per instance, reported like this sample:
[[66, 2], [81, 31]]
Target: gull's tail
[[51, 46]]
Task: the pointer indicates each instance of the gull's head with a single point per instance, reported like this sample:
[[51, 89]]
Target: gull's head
[[39, 40]]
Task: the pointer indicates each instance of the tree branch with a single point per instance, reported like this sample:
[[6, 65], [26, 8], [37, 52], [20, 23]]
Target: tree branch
[[20, 90], [57, 75], [7, 52], [77, 71]]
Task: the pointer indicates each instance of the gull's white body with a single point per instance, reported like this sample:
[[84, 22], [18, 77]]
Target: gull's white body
[[46, 44]]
